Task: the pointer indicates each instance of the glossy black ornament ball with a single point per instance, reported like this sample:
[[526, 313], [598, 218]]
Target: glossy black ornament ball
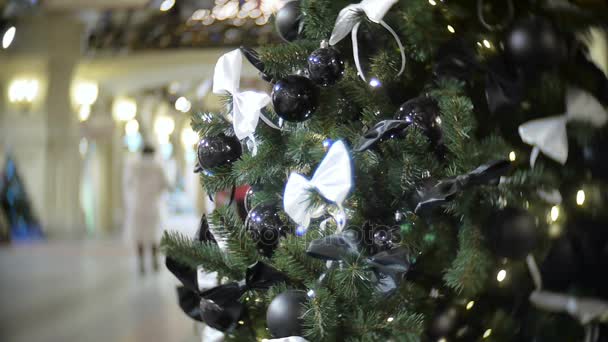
[[284, 314], [218, 150], [534, 42], [265, 227], [325, 66], [295, 98], [512, 233], [422, 112], [288, 21]]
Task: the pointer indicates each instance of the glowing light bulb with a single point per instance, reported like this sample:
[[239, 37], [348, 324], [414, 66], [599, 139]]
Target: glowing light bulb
[[487, 44], [451, 29], [470, 305], [390, 319], [554, 213], [487, 333], [501, 275], [167, 5], [432, 2], [8, 37], [580, 197], [512, 156], [374, 82]]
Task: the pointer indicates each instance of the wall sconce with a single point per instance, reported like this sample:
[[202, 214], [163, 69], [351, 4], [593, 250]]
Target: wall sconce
[[163, 127], [84, 95], [124, 109], [23, 92], [189, 137]]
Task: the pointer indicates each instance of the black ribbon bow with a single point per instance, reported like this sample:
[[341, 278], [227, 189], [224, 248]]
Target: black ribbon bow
[[445, 190], [384, 129], [220, 307], [388, 266]]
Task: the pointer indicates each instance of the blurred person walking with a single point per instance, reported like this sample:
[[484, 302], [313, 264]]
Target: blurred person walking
[[145, 182]]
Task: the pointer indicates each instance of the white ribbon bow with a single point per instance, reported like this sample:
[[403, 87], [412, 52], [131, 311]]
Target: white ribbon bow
[[332, 179], [348, 21], [246, 105], [549, 135]]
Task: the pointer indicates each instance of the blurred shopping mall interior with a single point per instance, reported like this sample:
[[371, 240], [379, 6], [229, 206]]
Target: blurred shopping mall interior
[[84, 85]]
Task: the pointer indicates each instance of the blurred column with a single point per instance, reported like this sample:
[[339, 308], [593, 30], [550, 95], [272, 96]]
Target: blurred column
[[63, 162]]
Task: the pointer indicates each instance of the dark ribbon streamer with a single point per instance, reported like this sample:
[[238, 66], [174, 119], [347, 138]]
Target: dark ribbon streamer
[[220, 306], [203, 234], [445, 190], [254, 58], [388, 266], [382, 130]]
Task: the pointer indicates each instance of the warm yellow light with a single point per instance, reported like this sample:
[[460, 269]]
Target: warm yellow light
[[85, 93], [451, 29], [272, 6], [555, 230], [554, 213], [487, 44], [132, 127], [487, 333], [124, 109], [84, 112], [182, 104], [164, 126], [390, 319], [241, 322], [501, 275], [580, 197], [167, 5], [23, 90], [443, 339], [512, 156], [189, 137], [8, 37], [470, 305], [432, 2]]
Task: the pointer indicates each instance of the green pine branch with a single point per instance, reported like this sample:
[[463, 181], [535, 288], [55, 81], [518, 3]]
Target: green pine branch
[[193, 253]]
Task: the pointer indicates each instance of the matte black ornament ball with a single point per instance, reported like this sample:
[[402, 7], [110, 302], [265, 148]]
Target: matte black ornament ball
[[512, 233], [265, 227], [534, 42], [295, 98], [422, 112], [325, 66], [288, 21], [284, 314], [218, 150]]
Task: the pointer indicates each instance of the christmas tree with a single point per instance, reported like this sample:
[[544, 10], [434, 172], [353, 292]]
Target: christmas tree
[[422, 170]]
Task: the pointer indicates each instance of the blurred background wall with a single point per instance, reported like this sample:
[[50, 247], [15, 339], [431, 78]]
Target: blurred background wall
[[85, 83]]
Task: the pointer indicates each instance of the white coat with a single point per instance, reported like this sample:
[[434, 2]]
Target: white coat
[[145, 182]]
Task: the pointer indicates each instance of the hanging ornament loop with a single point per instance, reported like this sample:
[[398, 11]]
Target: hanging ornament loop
[[498, 26], [349, 20]]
